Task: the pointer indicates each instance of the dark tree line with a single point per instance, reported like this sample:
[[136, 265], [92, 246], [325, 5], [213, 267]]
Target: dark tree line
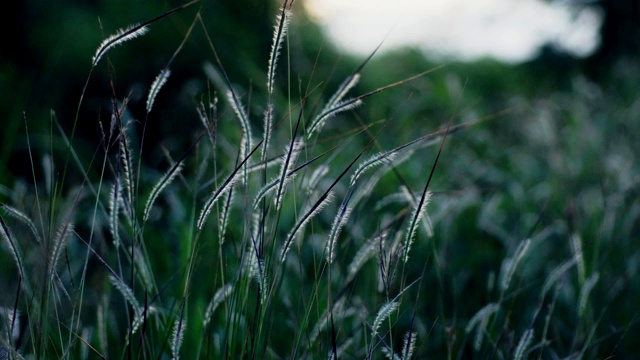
[[619, 39], [620, 31]]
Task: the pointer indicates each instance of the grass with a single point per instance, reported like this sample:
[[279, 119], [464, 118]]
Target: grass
[[331, 233]]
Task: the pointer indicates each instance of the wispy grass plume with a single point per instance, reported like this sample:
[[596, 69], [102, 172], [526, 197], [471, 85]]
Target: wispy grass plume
[[334, 105], [268, 128], [157, 84], [255, 242], [338, 312], [143, 270], [418, 213], [126, 157], [209, 125], [556, 274], [318, 122], [304, 220], [364, 254], [390, 354], [384, 312], [346, 85], [238, 109], [523, 345], [121, 36], [18, 215], [131, 32], [265, 190], [312, 181], [255, 260], [421, 206], [227, 200], [231, 180], [576, 247], [479, 321], [290, 158], [279, 34], [59, 243], [128, 295], [220, 295], [16, 253], [161, 185], [162, 78], [215, 196], [101, 313], [378, 159], [338, 223], [426, 219], [178, 333], [10, 328], [280, 31], [115, 198], [409, 345], [261, 276], [512, 263], [584, 293], [486, 311]]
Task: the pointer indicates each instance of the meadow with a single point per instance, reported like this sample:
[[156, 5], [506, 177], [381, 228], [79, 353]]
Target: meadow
[[305, 204]]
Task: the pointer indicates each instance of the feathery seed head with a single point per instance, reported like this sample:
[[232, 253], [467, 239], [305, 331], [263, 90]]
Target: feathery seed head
[[383, 313], [280, 31], [118, 38], [157, 84]]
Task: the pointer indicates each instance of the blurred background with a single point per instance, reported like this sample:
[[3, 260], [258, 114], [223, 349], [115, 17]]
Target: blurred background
[[558, 80], [502, 48]]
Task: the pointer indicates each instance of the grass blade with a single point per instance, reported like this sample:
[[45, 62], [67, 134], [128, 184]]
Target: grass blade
[[291, 155], [320, 204], [231, 180]]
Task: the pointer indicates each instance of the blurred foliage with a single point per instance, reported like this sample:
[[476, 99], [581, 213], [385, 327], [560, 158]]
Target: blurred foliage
[[45, 63]]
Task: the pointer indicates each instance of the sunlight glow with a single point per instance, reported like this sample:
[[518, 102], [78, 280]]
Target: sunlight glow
[[510, 31]]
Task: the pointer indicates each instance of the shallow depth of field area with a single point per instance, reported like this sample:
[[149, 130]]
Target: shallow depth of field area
[[215, 180]]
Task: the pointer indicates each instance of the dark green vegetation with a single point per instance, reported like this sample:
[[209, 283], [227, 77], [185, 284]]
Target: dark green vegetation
[[137, 228]]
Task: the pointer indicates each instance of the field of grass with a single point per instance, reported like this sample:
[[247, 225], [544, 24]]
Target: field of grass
[[309, 205]]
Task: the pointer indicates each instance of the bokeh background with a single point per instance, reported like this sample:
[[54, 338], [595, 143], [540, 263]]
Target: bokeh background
[[47, 47]]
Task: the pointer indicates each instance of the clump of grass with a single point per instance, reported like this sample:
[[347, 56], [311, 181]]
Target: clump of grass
[[262, 249], [285, 240]]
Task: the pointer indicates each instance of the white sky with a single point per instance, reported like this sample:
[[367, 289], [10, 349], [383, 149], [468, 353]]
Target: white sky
[[508, 30]]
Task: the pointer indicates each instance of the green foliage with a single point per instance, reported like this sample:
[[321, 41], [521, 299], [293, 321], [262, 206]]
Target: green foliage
[[211, 242]]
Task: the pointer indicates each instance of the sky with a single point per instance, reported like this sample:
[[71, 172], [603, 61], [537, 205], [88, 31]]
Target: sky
[[511, 31]]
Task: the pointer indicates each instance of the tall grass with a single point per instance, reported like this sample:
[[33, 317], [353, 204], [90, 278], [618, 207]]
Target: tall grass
[[297, 245]]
